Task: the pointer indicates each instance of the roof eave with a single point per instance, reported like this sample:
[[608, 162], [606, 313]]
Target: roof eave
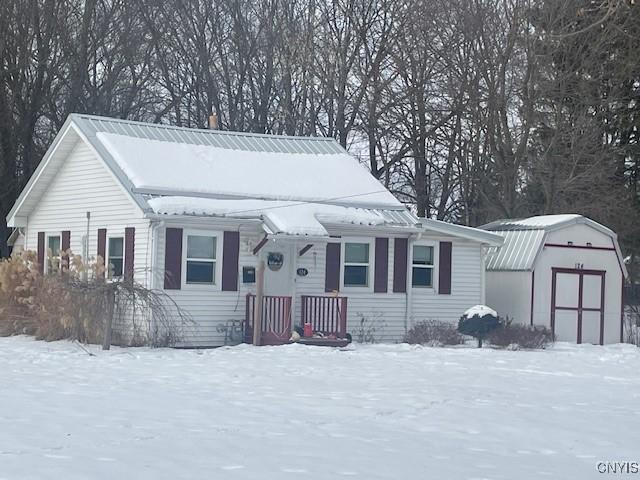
[[468, 233], [13, 218]]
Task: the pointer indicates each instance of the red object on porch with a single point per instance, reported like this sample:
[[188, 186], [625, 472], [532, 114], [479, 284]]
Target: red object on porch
[[276, 319], [308, 330], [327, 315]]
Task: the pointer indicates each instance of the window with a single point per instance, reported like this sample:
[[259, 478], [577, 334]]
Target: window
[[201, 259], [422, 273], [356, 265], [53, 253], [115, 257]]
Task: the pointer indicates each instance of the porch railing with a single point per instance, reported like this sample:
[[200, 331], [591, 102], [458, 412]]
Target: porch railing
[[276, 319], [326, 314]]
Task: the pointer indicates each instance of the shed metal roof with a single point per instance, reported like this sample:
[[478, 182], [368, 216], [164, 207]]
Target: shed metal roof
[[525, 238], [519, 250]]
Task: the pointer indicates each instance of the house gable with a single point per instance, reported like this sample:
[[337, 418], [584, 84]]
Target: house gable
[[82, 183], [65, 143]]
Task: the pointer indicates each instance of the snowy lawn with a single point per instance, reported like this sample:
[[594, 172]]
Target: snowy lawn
[[370, 412]]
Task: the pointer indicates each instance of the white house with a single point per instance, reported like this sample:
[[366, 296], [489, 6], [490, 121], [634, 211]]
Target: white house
[[564, 272], [194, 212]]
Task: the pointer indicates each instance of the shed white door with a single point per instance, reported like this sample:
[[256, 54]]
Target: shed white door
[[577, 305]]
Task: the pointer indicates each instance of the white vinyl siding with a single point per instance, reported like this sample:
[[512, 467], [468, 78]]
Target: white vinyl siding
[[85, 184]]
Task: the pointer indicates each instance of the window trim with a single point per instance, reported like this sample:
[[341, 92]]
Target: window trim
[[368, 288], [47, 236], [108, 256], [217, 274], [434, 268]]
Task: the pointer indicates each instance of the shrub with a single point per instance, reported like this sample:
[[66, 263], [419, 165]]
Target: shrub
[[518, 336], [434, 333], [365, 331], [477, 326], [76, 303]]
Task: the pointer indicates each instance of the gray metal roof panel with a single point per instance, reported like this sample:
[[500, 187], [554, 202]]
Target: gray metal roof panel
[[519, 250], [224, 139]]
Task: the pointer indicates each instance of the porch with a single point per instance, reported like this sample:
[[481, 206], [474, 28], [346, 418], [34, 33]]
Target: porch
[[325, 318]]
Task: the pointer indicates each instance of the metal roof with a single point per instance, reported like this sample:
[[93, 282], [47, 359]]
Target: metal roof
[[519, 250], [254, 142], [547, 223], [525, 238], [86, 127]]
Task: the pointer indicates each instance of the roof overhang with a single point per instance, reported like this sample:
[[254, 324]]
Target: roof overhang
[[62, 144], [460, 231]]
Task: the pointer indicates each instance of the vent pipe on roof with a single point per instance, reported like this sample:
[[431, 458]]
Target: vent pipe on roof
[[213, 121]]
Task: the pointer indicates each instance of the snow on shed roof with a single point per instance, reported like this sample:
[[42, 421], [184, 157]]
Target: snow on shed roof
[[546, 223]]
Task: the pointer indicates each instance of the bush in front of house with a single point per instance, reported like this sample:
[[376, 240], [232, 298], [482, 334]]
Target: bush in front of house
[[478, 322], [434, 333], [74, 302], [517, 336]]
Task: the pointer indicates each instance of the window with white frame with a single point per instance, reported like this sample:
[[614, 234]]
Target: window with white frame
[[53, 253], [356, 264], [422, 273], [201, 259], [115, 257]]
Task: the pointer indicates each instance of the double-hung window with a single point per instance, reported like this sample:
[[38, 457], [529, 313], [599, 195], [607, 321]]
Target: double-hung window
[[201, 259], [115, 257], [53, 253], [423, 267], [356, 264]]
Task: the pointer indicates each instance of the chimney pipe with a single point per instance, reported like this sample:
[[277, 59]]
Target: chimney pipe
[[213, 121]]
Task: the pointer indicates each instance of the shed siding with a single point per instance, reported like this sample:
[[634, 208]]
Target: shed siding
[[509, 294]]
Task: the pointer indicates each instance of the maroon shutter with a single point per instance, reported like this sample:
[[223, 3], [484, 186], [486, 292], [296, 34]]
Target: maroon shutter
[[41, 252], [400, 265], [230, 257], [173, 259], [444, 267], [65, 245], [381, 270], [129, 252], [102, 247], [332, 268]]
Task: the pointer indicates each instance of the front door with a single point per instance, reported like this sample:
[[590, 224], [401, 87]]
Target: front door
[[577, 305], [278, 270], [278, 281]]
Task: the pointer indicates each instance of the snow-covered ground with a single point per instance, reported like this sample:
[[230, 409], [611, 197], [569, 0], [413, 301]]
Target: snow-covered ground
[[369, 412]]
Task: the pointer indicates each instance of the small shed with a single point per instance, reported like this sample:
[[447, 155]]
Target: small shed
[[564, 272]]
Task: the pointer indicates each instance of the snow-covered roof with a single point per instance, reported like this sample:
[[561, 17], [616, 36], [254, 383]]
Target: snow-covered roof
[[184, 168], [295, 185], [546, 223], [281, 217]]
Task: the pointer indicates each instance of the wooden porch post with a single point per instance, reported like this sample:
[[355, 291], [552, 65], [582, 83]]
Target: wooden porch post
[[257, 311]]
